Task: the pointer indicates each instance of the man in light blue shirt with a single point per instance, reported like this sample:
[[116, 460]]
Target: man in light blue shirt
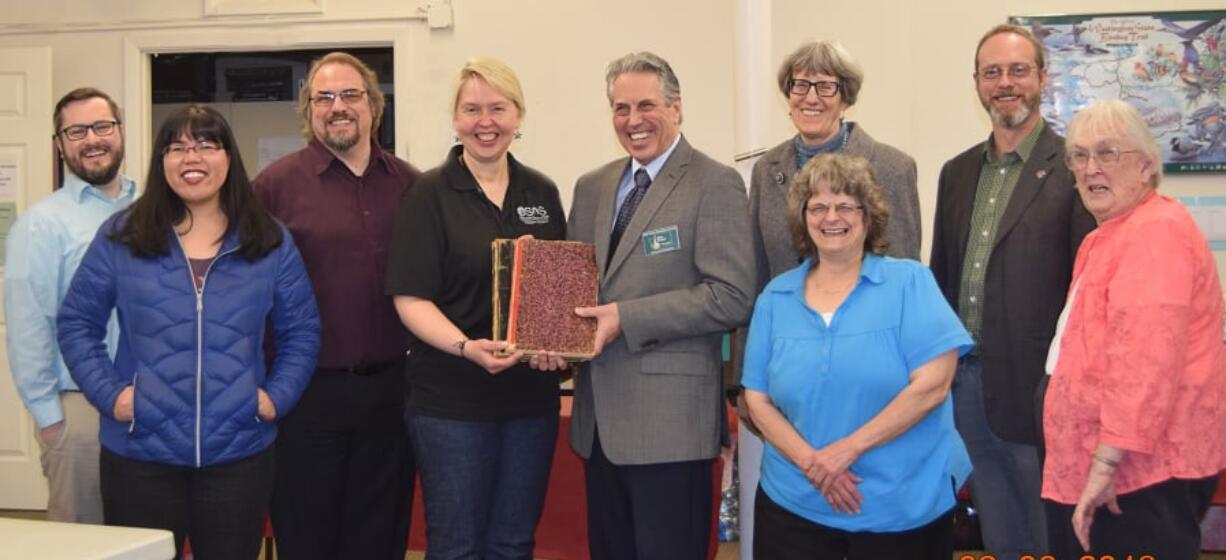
[[44, 248]]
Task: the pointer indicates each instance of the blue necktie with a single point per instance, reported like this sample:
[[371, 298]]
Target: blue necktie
[[641, 183]]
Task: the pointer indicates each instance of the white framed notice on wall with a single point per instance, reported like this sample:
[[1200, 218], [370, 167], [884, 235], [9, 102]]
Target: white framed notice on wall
[[8, 179], [1210, 214]]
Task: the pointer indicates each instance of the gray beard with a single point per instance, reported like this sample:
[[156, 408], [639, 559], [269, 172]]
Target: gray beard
[[341, 143], [1013, 120]]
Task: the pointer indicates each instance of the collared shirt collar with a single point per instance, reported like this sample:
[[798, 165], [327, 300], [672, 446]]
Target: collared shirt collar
[[80, 189], [794, 280], [653, 167], [462, 178], [1023, 150], [322, 157]]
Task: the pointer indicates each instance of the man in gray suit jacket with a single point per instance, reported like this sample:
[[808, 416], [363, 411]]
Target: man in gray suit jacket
[[672, 236], [1007, 228]]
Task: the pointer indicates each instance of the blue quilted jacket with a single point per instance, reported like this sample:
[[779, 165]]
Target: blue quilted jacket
[[195, 360]]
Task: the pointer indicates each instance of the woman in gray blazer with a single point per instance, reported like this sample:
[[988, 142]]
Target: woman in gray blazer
[[820, 81]]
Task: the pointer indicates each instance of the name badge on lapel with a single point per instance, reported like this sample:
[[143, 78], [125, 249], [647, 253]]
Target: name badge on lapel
[[661, 240]]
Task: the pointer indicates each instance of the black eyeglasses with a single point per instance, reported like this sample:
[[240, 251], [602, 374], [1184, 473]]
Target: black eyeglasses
[[1016, 71], [800, 87], [204, 148], [80, 131], [327, 98]]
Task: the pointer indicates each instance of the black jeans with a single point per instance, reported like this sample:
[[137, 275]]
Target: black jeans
[[1161, 521], [779, 534], [345, 469], [221, 508]]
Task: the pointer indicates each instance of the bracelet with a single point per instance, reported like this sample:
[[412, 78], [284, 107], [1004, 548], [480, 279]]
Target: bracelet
[[459, 344], [1106, 461]]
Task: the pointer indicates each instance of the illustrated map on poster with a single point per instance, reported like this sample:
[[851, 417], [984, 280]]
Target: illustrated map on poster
[[1171, 66]]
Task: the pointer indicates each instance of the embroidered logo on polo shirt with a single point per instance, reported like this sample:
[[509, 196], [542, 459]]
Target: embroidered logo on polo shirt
[[533, 215]]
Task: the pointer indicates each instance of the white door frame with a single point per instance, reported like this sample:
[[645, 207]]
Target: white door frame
[[138, 45], [25, 115]]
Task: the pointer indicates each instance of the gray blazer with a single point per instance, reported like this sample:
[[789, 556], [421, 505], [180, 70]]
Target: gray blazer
[[656, 391], [768, 201]]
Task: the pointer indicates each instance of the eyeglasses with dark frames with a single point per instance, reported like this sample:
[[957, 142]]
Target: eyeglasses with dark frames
[[80, 131], [204, 148], [327, 98], [800, 87]]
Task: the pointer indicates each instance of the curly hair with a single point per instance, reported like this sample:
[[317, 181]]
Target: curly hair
[[842, 174]]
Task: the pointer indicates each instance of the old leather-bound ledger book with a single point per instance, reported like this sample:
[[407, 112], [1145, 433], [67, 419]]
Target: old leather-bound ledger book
[[537, 286]]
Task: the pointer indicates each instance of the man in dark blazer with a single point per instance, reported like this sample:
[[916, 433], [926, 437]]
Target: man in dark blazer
[[672, 236], [1007, 227]]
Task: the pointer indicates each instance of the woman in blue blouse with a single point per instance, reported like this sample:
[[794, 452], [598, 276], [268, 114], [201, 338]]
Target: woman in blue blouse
[[847, 373]]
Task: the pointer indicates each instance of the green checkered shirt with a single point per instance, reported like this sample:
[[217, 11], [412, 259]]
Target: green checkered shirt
[[997, 178]]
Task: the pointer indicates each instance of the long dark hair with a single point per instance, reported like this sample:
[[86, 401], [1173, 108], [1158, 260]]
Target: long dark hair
[[152, 217]]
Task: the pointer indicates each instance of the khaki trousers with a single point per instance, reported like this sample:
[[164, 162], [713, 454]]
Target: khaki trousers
[[71, 464]]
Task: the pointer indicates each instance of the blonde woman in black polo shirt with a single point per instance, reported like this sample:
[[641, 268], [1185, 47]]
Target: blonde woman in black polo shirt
[[483, 427]]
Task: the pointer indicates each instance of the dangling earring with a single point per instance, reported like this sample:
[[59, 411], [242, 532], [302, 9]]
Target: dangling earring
[[518, 135]]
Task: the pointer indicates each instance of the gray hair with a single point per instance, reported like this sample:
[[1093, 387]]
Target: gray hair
[[1116, 119], [824, 57], [647, 63]]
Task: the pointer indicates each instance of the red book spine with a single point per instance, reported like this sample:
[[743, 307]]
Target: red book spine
[[513, 310]]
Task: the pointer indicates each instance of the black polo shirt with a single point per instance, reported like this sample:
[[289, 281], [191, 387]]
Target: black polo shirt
[[440, 251]]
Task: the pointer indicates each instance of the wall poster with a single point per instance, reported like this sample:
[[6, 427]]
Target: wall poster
[[1171, 66]]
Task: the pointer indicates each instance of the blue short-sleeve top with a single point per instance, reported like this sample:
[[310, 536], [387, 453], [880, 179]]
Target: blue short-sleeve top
[[828, 380]]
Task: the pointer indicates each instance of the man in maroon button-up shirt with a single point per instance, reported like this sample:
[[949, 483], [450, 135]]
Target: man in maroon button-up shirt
[[344, 468]]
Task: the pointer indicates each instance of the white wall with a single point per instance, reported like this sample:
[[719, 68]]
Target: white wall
[[559, 50], [918, 93]]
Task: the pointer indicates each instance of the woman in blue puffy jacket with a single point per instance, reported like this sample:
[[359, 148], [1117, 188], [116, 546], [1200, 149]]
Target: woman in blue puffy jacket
[[196, 271]]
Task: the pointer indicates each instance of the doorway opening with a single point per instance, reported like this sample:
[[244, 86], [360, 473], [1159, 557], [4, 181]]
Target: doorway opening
[[257, 92]]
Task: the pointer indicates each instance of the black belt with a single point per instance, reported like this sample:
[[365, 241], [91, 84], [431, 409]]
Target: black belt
[[362, 369]]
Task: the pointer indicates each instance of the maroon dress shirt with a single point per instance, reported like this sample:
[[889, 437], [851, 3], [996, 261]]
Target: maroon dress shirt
[[342, 224]]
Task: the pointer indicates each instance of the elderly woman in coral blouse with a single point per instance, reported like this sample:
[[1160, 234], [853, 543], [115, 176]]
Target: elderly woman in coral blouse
[[1135, 411]]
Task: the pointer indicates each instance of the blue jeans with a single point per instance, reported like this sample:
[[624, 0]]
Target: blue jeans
[[1006, 482], [483, 484]]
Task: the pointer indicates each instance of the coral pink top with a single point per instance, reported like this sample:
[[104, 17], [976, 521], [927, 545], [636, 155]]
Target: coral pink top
[[1142, 365]]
